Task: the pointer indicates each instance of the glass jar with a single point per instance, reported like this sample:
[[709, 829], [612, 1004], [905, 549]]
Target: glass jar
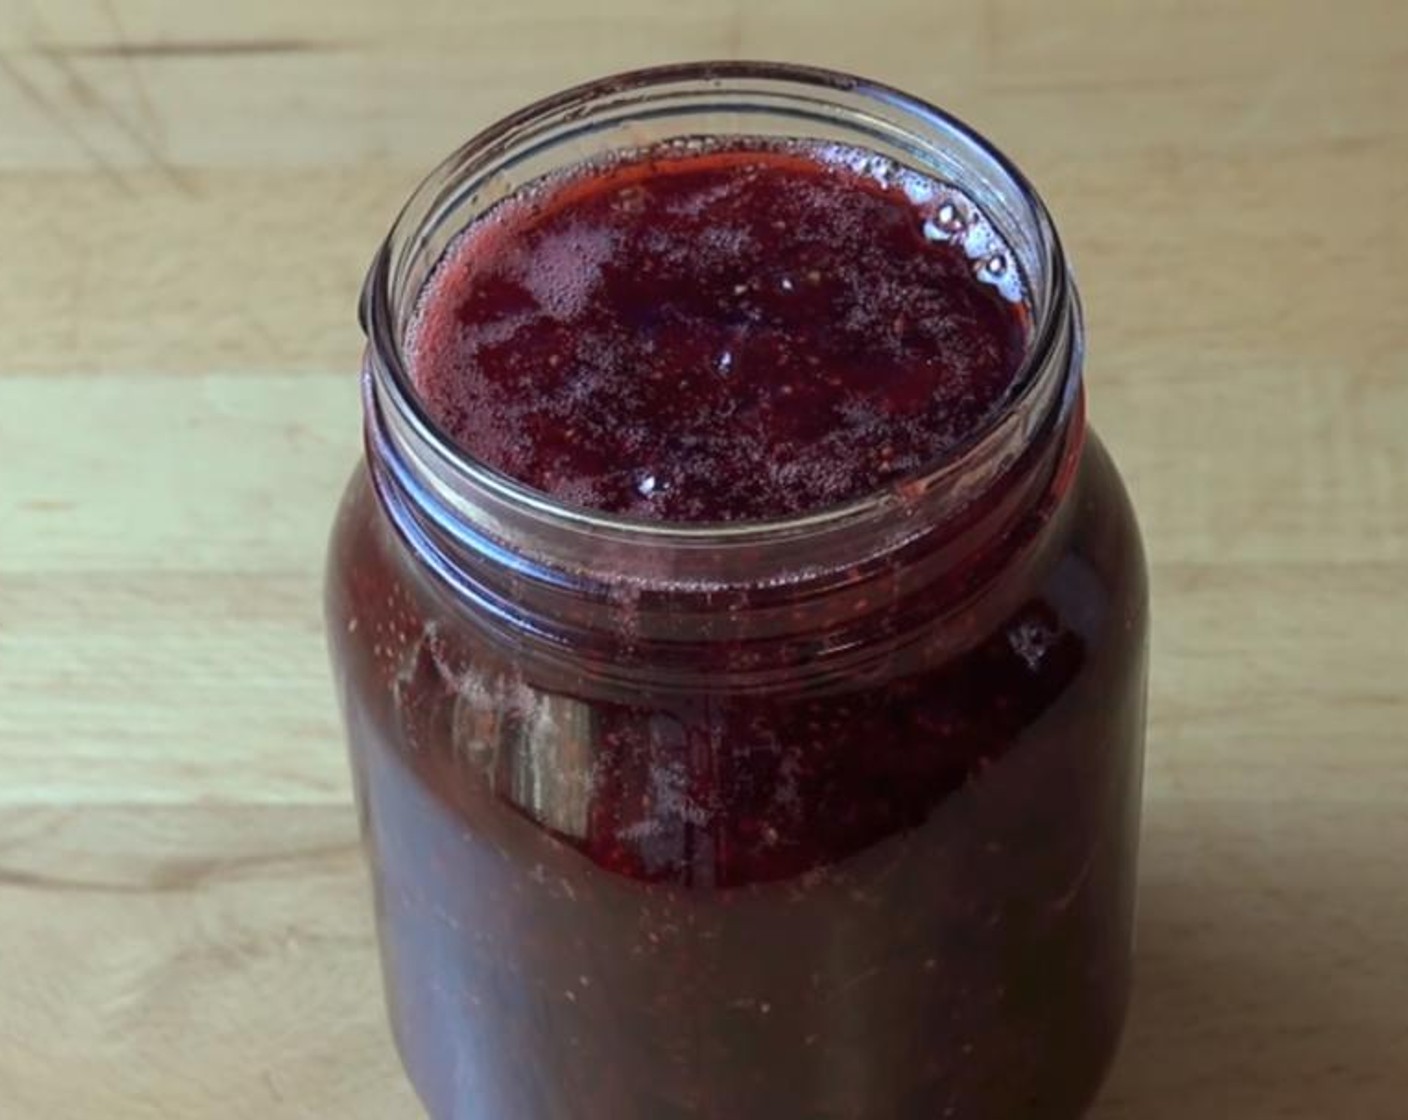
[[832, 817]]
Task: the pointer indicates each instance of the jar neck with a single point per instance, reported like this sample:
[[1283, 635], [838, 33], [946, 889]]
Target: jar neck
[[816, 585]]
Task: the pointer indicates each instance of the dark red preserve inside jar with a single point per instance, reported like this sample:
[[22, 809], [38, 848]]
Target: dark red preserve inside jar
[[687, 796]]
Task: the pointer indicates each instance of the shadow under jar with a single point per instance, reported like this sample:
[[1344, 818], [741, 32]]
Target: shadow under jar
[[824, 817]]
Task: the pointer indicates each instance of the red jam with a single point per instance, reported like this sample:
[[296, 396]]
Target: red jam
[[730, 335], [858, 849]]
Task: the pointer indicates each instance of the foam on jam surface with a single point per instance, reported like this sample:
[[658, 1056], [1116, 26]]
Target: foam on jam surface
[[723, 334]]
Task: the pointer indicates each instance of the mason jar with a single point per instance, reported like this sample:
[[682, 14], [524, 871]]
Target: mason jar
[[826, 817]]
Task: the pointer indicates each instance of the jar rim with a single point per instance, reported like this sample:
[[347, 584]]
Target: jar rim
[[1047, 380]]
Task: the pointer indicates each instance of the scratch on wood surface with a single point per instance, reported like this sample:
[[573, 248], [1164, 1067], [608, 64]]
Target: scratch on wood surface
[[200, 48], [31, 880], [51, 112], [134, 71], [89, 94], [182, 876]]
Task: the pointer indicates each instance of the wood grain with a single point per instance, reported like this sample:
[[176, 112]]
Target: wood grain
[[188, 195]]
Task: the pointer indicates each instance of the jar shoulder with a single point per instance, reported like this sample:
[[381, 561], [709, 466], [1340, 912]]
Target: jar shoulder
[[1091, 579]]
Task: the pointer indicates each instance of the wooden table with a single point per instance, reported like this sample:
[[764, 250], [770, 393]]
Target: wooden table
[[189, 192]]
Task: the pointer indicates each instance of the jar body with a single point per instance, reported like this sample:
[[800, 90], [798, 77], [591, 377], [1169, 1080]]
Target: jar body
[[905, 892]]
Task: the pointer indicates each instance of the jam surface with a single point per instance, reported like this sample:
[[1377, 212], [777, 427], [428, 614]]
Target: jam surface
[[717, 335]]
